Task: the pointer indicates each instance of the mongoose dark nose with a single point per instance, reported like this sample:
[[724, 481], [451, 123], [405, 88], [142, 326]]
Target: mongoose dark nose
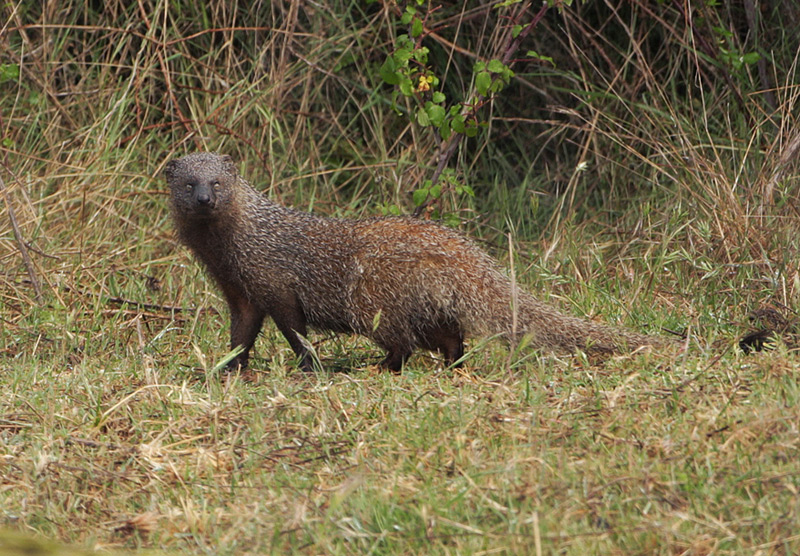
[[203, 195]]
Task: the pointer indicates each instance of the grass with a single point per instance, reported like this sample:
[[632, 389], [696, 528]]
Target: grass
[[633, 456], [627, 181]]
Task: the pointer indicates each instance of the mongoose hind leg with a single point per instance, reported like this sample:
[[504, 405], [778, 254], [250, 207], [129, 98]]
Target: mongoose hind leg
[[446, 338], [395, 359]]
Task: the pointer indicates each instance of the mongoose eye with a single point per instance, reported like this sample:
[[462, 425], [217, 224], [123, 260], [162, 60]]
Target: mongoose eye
[[189, 186], [216, 185]]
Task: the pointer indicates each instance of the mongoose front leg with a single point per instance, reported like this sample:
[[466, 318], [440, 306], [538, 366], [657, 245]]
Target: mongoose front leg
[[291, 321], [246, 322]]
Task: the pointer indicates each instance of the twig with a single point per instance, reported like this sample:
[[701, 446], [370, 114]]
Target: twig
[[21, 245], [116, 300]]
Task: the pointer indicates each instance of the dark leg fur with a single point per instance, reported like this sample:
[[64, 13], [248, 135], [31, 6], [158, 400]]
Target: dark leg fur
[[246, 321], [445, 337], [395, 359], [453, 350], [290, 320]]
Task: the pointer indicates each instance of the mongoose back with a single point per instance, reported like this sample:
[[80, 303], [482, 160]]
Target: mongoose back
[[403, 282]]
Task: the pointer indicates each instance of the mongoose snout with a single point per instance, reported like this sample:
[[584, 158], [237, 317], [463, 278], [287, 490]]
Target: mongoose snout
[[203, 194]]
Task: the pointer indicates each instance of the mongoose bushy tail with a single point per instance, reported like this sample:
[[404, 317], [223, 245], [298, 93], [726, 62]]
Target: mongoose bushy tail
[[403, 282]]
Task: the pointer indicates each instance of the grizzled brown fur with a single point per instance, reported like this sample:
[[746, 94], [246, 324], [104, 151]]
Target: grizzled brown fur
[[424, 285]]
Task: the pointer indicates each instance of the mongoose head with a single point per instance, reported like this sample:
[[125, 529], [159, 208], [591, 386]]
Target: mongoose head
[[201, 184]]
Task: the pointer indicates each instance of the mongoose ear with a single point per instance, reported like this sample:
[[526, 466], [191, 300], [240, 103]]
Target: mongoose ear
[[170, 169], [229, 165]]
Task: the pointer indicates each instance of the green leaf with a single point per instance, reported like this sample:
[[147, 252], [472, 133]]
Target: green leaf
[[421, 54], [438, 97], [436, 191], [482, 82], [416, 27], [723, 32], [230, 356], [536, 56], [471, 131], [420, 196], [346, 59], [406, 86], [449, 176], [496, 66], [516, 30], [465, 189], [422, 118], [402, 56], [404, 42], [444, 130], [451, 220], [435, 113], [9, 72], [388, 71], [458, 124], [498, 84], [751, 58]]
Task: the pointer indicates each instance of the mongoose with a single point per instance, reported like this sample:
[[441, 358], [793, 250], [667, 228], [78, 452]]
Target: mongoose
[[403, 282]]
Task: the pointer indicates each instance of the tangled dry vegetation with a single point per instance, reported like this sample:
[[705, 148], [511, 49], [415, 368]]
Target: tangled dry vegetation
[[646, 176]]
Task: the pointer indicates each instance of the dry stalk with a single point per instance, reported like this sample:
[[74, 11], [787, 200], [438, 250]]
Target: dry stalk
[[21, 244]]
